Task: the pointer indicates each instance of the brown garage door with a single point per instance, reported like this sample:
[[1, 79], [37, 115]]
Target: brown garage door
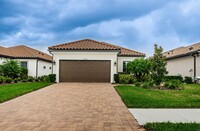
[[84, 71]]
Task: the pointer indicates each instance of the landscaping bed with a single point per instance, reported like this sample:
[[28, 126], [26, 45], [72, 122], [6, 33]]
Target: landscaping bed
[[137, 97], [168, 126], [10, 91]]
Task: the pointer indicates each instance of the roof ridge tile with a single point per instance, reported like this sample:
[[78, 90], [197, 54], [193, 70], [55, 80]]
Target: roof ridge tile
[[87, 44]]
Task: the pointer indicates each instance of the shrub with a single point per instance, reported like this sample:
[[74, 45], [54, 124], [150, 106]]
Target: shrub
[[188, 80], [45, 79], [132, 79], [24, 80], [30, 79], [24, 73], [1, 79], [19, 79], [37, 80], [52, 78], [10, 68], [15, 80], [138, 84], [140, 68], [116, 78], [147, 85], [174, 84], [169, 78], [24, 77], [8, 80], [124, 78]]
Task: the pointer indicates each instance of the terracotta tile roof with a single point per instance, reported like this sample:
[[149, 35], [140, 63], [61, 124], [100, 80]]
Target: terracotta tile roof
[[24, 52], [88, 44], [4, 51], [128, 52], [182, 51]]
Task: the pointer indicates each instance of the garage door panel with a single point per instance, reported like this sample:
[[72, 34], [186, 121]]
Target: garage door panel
[[85, 71]]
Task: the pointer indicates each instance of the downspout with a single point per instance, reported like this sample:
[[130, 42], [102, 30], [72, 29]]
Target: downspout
[[194, 68], [37, 68]]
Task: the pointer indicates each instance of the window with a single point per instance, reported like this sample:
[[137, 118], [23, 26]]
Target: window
[[44, 67], [125, 66], [49, 68], [24, 64]]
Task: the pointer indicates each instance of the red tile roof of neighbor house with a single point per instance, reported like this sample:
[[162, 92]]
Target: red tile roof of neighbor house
[[88, 44], [182, 51], [23, 52]]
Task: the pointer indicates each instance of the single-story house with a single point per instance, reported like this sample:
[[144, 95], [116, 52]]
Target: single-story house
[[38, 63], [90, 61], [184, 61]]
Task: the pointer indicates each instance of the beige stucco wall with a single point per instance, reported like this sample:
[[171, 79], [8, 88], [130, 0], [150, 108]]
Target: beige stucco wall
[[121, 59], [81, 55], [183, 66], [44, 71]]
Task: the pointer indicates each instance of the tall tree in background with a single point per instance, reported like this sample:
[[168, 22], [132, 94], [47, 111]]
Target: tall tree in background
[[158, 65]]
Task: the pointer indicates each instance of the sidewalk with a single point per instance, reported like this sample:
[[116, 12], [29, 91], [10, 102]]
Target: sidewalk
[[164, 115]]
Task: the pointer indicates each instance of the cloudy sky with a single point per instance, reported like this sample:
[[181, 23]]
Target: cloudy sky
[[135, 24]]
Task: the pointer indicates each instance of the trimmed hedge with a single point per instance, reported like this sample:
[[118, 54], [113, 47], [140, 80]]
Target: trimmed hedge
[[188, 80], [124, 78], [116, 78], [147, 84], [52, 78], [8, 80], [174, 84], [169, 78]]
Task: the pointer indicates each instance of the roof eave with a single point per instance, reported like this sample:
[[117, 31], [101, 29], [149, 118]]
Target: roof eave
[[181, 55], [132, 55]]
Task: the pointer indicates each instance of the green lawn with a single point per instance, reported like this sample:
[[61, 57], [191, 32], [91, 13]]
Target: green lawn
[[167, 126], [136, 97], [11, 91]]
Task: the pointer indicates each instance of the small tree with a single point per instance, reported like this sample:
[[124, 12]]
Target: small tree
[[158, 70], [140, 68], [10, 68]]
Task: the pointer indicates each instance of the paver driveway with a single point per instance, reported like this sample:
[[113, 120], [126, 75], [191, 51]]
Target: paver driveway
[[68, 106]]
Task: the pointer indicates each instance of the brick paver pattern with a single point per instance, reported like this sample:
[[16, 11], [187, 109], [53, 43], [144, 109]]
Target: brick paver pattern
[[68, 106]]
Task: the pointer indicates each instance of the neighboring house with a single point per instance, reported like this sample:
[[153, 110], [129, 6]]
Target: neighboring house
[[37, 62], [184, 61], [90, 61]]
